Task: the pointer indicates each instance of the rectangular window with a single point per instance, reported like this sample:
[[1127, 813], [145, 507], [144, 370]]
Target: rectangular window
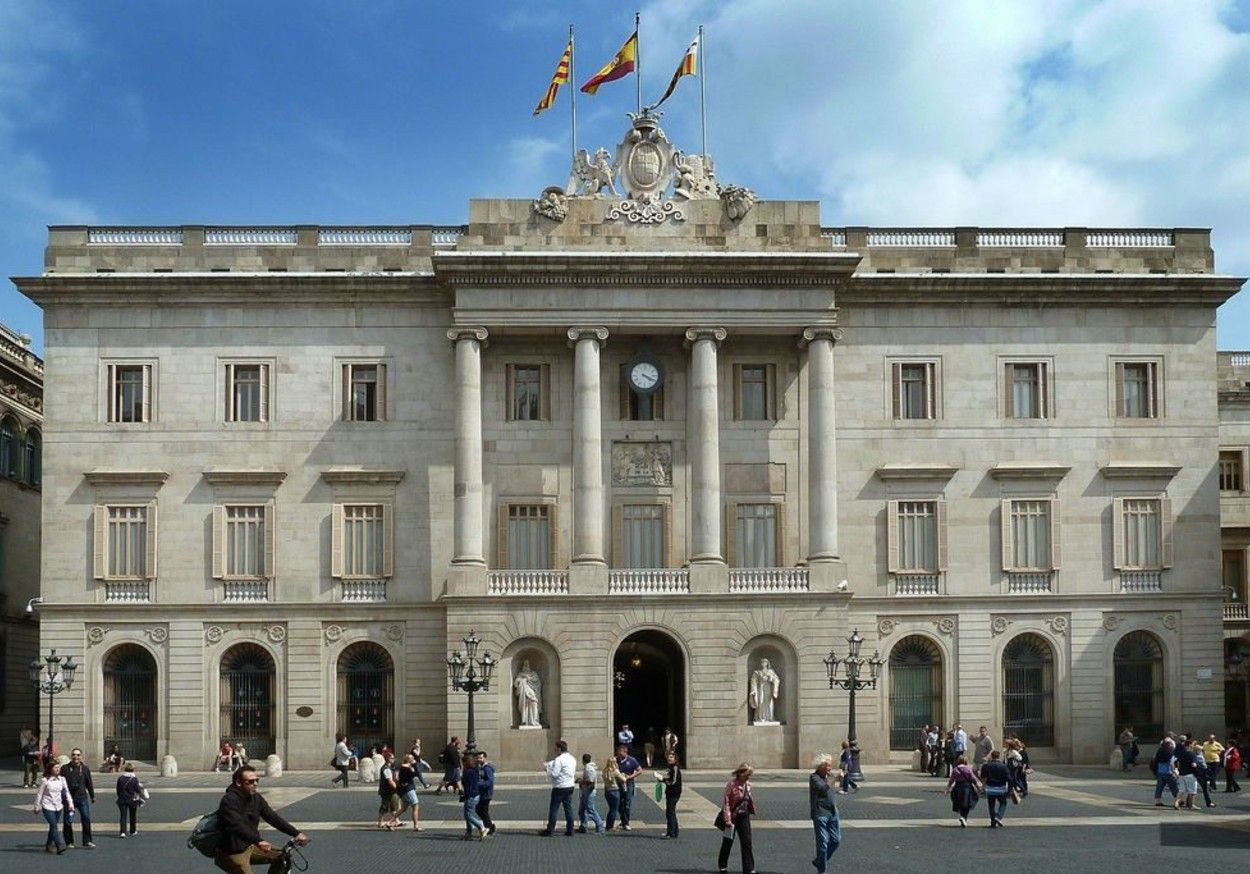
[[127, 543], [1028, 533], [914, 389], [917, 537], [1137, 389], [642, 535], [1231, 477], [364, 540], [755, 535], [129, 392], [245, 542], [638, 407], [247, 392], [1141, 528], [1026, 390], [753, 392], [528, 536], [528, 393], [364, 392], [1234, 561]]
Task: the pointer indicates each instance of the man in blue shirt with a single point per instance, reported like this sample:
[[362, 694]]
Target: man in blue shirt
[[630, 770], [485, 790]]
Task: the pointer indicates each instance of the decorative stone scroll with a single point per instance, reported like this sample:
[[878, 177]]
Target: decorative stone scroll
[[158, 634], [96, 634], [642, 464]]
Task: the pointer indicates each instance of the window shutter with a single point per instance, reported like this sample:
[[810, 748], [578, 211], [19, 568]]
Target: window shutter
[[553, 532], [618, 535], [891, 536], [731, 532], [1165, 532], [501, 533], [666, 526], [1007, 550], [346, 379], [782, 551], [896, 389], [1008, 408], [380, 414], [509, 391], [147, 394], [388, 540], [219, 541], [939, 516], [271, 540], [1056, 557], [264, 392], [737, 392], [110, 391], [544, 394], [1119, 389], [1117, 533], [931, 390], [1043, 389], [623, 394], [336, 541], [770, 393], [230, 411], [150, 521], [100, 544], [1153, 390]]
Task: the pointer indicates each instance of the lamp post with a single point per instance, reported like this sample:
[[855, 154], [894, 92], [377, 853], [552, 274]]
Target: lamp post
[[852, 681], [470, 674], [52, 676]]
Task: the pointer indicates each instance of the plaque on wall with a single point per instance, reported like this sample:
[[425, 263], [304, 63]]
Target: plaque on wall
[[642, 464]]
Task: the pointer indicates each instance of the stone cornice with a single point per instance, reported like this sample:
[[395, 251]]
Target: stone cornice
[[126, 477], [1029, 470], [345, 476], [230, 288], [1032, 289], [1139, 470], [916, 471], [245, 477]]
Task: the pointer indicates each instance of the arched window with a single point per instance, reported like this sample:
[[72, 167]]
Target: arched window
[[247, 699], [915, 689], [32, 457], [366, 696], [1029, 690], [1138, 685], [8, 448], [130, 702]]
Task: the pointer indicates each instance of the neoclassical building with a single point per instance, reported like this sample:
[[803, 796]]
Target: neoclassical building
[[638, 444]]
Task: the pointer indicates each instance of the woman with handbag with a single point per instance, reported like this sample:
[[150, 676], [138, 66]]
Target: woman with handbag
[[963, 787], [53, 801], [734, 819], [997, 781], [130, 797]]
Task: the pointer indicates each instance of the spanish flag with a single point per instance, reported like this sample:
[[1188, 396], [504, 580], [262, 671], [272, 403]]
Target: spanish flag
[[561, 77], [688, 67], [621, 65]]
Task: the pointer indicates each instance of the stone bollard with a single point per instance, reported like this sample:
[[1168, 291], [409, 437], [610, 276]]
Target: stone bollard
[[273, 766], [1116, 760], [366, 771], [169, 767], [916, 760]]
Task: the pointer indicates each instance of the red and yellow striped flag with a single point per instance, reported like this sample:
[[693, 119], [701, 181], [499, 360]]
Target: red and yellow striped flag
[[688, 67], [622, 64], [561, 77]]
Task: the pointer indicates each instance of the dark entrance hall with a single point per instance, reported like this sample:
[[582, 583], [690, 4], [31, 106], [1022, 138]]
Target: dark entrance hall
[[649, 683]]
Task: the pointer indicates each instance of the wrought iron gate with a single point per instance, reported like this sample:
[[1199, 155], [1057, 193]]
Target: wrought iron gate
[[366, 697], [915, 690], [247, 700], [1028, 691], [1139, 685], [130, 703]]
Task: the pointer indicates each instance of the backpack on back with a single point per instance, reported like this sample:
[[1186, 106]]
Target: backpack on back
[[206, 836]]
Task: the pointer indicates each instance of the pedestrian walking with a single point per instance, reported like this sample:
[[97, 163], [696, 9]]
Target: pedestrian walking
[[922, 744], [996, 778], [1201, 774], [485, 790], [342, 757], [734, 820], [130, 797], [672, 794], [630, 771], [963, 786], [406, 786], [470, 794], [449, 758], [52, 800], [561, 771], [421, 764], [935, 749], [238, 817], [1128, 748], [1163, 765], [1232, 764], [1013, 757], [586, 806], [388, 793], [613, 788], [1187, 772], [82, 792], [982, 747], [824, 811], [846, 762], [1213, 757], [30, 758]]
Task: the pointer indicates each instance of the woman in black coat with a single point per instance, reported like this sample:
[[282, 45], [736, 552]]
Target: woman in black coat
[[130, 796]]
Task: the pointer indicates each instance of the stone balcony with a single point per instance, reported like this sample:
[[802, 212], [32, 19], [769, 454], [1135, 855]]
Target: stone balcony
[[596, 580], [1236, 612]]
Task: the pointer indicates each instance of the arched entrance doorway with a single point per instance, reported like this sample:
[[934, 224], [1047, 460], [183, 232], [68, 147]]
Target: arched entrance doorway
[[366, 696], [1237, 683], [1139, 685], [915, 689], [649, 688], [247, 699], [130, 702], [1029, 690]]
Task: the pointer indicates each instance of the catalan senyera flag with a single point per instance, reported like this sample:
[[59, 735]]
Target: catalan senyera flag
[[689, 66], [561, 77], [622, 64]]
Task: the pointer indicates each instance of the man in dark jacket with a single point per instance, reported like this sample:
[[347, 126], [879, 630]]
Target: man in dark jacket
[[238, 816], [486, 790], [78, 781]]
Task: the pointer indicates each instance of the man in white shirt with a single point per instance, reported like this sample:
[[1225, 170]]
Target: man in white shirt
[[960, 740], [561, 771], [626, 737]]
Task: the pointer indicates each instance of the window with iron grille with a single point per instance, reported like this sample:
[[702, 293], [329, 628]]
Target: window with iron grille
[[1231, 479], [1026, 392], [756, 535], [127, 543], [1137, 389], [32, 457], [529, 536], [247, 392], [1029, 690], [129, 392], [1138, 685], [642, 535], [8, 448]]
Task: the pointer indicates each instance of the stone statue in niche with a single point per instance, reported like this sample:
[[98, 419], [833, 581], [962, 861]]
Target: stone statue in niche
[[765, 687], [529, 691]]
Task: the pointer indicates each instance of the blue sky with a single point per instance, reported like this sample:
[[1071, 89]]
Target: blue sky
[[1067, 112]]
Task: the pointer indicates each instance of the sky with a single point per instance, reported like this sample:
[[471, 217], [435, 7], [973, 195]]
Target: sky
[[909, 113]]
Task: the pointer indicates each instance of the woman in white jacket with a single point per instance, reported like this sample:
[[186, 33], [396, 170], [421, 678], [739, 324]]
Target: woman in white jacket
[[52, 799]]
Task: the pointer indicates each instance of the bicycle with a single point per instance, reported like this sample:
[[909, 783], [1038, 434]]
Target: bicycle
[[292, 858]]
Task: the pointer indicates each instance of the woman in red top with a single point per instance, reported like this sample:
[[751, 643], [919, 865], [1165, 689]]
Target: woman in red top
[[1232, 764], [734, 818]]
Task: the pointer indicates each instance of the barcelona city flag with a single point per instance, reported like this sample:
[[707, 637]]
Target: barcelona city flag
[[689, 66], [561, 77], [620, 65]]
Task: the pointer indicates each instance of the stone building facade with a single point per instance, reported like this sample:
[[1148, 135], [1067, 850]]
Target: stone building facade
[[1234, 408], [637, 454]]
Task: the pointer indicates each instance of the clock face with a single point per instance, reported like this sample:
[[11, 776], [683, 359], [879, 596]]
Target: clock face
[[644, 376]]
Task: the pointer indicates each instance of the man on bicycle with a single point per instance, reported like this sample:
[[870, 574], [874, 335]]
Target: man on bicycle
[[238, 816]]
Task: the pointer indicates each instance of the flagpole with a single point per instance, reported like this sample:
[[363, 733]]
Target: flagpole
[[638, 60], [703, 95], [573, 91]]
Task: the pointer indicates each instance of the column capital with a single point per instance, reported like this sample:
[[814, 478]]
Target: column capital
[[832, 333], [467, 332], [716, 335], [597, 333]]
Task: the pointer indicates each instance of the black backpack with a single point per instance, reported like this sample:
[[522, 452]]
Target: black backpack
[[207, 836]]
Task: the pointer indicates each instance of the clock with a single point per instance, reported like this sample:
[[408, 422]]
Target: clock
[[645, 375]]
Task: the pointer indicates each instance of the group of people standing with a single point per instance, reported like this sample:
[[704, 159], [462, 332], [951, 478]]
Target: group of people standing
[[940, 751], [619, 775], [974, 766], [1186, 766], [66, 792]]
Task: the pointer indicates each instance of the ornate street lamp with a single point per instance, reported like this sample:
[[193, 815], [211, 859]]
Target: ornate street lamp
[[852, 680], [470, 674], [52, 676]]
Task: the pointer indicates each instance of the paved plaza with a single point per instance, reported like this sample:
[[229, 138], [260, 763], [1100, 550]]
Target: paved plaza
[[1074, 820]]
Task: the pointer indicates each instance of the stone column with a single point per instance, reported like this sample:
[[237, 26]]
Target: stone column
[[467, 546], [587, 446], [822, 458], [704, 453]]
